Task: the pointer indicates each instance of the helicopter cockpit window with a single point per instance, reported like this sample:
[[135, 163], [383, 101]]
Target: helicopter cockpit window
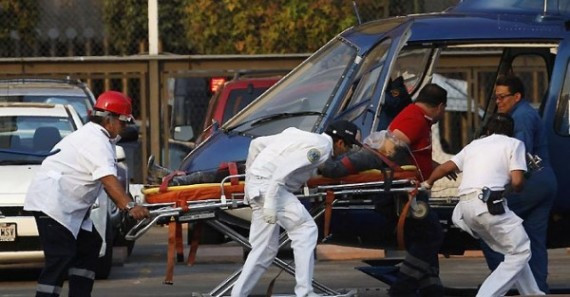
[[531, 69], [562, 120], [300, 96], [411, 65], [406, 74], [468, 75], [365, 81]]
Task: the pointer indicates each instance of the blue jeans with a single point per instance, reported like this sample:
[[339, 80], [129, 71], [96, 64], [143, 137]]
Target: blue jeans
[[533, 205]]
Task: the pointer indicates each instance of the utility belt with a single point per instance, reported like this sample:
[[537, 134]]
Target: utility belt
[[495, 200]]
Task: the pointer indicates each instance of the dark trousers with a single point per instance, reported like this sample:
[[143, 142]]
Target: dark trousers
[[419, 273], [66, 256]]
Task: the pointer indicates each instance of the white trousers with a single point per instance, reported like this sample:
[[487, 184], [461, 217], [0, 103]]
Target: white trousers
[[264, 239], [506, 235]]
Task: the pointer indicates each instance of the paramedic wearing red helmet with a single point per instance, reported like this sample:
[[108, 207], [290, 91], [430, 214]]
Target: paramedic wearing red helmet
[[64, 189]]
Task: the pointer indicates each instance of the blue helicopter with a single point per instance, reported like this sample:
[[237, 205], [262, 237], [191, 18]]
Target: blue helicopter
[[464, 49]]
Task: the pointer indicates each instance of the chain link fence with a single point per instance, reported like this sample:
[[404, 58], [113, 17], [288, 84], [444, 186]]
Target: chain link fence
[[70, 28], [62, 28]]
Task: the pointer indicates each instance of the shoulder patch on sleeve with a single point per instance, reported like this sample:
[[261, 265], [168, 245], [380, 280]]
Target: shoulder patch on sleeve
[[313, 155]]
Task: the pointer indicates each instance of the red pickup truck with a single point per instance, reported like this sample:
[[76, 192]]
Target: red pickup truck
[[232, 97]]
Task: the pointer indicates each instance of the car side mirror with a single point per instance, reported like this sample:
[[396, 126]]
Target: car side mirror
[[120, 154], [183, 133]]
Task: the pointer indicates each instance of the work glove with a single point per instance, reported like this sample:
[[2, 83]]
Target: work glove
[[426, 185], [270, 215]]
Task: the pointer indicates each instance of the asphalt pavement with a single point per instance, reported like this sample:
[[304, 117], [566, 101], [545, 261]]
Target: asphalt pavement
[[143, 273]]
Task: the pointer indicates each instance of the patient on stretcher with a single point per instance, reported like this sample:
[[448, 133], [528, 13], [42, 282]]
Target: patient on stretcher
[[156, 174], [381, 151]]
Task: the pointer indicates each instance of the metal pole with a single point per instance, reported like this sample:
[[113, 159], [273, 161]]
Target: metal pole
[[154, 80], [153, 27]]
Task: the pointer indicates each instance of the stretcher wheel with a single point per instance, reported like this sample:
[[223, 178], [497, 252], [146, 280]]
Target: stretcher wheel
[[421, 210]]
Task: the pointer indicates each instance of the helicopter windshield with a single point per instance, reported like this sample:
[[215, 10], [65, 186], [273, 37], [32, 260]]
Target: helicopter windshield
[[303, 95]]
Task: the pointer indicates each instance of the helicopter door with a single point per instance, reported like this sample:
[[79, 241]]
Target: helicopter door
[[557, 122], [400, 36], [534, 67], [363, 100]]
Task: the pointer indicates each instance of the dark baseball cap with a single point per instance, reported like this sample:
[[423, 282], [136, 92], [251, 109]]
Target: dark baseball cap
[[344, 130]]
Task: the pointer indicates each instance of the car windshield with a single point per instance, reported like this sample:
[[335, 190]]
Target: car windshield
[[80, 103], [28, 136], [301, 97]]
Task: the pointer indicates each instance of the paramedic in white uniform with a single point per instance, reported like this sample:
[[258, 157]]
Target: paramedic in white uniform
[[64, 189], [276, 166], [493, 161]]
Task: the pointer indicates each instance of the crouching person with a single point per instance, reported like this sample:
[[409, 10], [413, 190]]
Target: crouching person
[[277, 166], [489, 164]]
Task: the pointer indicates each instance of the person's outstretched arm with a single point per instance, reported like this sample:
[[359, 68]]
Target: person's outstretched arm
[[439, 172]]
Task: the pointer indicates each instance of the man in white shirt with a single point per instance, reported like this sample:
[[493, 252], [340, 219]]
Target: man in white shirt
[[277, 166], [64, 189], [493, 162]]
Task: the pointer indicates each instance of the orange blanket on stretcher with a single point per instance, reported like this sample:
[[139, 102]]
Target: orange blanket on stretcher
[[191, 192], [213, 190]]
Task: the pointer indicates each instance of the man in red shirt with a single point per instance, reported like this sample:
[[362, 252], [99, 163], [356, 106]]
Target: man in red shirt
[[419, 273], [413, 124]]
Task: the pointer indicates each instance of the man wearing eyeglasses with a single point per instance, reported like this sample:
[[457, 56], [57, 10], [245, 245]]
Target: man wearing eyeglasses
[[65, 188], [534, 202]]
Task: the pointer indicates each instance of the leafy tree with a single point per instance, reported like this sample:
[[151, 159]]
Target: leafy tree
[[233, 26], [209, 26], [259, 26], [171, 26], [126, 24], [19, 16]]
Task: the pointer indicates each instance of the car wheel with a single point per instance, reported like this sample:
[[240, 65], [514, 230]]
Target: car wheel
[[105, 263]]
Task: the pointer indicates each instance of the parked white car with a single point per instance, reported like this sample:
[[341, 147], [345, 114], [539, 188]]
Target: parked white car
[[28, 131]]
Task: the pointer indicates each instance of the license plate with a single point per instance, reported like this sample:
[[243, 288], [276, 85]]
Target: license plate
[[7, 231]]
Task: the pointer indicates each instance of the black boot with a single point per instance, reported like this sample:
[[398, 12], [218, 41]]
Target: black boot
[[155, 173]]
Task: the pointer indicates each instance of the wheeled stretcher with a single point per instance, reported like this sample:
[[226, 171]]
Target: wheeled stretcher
[[205, 202]]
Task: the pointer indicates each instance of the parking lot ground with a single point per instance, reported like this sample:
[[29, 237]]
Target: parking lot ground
[[143, 273]]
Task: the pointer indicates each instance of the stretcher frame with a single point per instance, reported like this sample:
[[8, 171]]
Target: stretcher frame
[[205, 210]]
